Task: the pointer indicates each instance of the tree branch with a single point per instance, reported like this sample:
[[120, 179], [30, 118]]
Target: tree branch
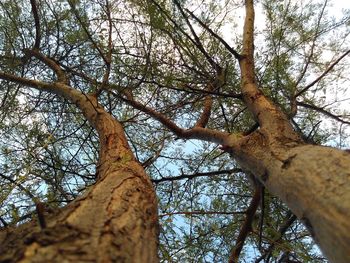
[[76, 14], [203, 213], [307, 87], [61, 76], [312, 46], [198, 43], [281, 232], [204, 117], [191, 176], [248, 71], [20, 186], [226, 45], [153, 158], [193, 133], [108, 57], [215, 93], [56, 88], [37, 24], [39, 206], [208, 101], [247, 225], [323, 111], [265, 111]]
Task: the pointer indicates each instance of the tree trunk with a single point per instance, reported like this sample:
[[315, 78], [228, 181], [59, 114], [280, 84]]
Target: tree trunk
[[114, 221], [313, 181]]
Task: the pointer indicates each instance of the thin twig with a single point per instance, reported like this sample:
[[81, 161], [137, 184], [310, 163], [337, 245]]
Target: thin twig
[[191, 176], [77, 16], [290, 220], [226, 45], [203, 213], [307, 87], [323, 111], [198, 43]]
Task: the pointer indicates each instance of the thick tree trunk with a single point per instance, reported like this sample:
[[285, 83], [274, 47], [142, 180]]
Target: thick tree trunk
[[114, 221], [313, 181]]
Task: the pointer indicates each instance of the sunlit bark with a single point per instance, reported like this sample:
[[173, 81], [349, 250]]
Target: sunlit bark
[[114, 221]]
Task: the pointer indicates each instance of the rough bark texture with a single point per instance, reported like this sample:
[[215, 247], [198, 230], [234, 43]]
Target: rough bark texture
[[114, 221], [313, 181]]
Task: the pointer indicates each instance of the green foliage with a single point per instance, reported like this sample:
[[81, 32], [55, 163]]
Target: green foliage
[[47, 147]]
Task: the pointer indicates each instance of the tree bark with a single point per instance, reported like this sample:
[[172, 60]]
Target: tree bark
[[114, 221], [313, 181]]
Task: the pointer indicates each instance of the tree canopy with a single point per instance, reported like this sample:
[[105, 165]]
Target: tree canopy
[[167, 70]]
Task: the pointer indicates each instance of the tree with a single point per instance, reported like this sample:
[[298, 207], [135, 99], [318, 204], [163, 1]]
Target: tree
[[122, 84]]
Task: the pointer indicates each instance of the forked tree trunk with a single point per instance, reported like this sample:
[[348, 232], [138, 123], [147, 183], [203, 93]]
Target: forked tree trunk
[[313, 181], [114, 221]]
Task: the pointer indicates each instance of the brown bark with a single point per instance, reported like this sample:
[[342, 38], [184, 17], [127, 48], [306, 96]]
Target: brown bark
[[313, 181], [114, 221], [246, 227]]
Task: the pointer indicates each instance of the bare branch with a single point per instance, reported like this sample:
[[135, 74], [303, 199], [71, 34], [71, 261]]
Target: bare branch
[[264, 110], [37, 24], [247, 225], [307, 87], [23, 81], [193, 133], [227, 125], [323, 111], [247, 65], [191, 176], [61, 76], [226, 45], [203, 213], [208, 102], [204, 117], [57, 88]]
